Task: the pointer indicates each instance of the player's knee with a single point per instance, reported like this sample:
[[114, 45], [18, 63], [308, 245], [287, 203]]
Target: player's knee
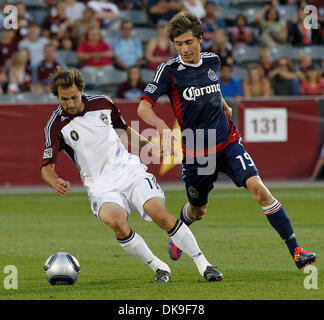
[[260, 193], [115, 220]]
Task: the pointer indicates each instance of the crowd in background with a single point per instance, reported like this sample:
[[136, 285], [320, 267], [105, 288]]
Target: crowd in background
[[29, 54]]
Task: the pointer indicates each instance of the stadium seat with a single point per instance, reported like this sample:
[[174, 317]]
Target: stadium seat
[[287, 12], [250, 15], [35, 3], [39, 14], [239, 73], [68, 57], [144, 33], [231, 13], [315, 52], [7, 99], [109, 36], [137, 17], [30, 98], [90, 75], [110, 76], [147, 75], [245, 55], [284, 51]]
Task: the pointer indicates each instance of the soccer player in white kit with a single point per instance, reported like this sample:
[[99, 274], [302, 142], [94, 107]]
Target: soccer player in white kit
[[89, 129]]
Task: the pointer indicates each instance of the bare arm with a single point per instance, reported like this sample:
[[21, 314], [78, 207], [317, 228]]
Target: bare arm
[[227, 109], [146, 113], [163, 7], [246, 90], [58, 185]]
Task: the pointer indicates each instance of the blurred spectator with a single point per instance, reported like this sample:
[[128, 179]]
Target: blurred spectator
[[93, 52], [127, 49], [3, 82], [107, 12], [322, 70], [81, 26], [57, 27], [241, 34], [50, 3], [195, 6], [8, 45], [283, 80], [133, 88], [222, 47], [24, 19], [35, 44], [19, 73], [273, 28], [74, 10], [163, 9], [46, 68], [318, 165], [128, 4], [210, 22], [299, 35], [2, 15], [256, 84], [266, 61], [303, 61], [230, 86], [159, 49], [313, 84], [320, 11]]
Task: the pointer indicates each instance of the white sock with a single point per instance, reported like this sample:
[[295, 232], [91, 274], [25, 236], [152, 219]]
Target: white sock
[[183, 238], [185, 213], [135, 245], [156, 263]]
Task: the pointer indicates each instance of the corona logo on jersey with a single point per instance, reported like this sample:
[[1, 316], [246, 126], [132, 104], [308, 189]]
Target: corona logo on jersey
[[192, 93]]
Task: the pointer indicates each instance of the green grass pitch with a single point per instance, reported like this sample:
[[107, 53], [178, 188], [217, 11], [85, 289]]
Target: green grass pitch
[[235, 236]]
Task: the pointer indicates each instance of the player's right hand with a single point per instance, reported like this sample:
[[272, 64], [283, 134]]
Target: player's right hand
[[167, 139], [61, 187]]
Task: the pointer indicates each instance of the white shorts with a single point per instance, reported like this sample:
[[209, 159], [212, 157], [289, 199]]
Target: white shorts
[[130, 191]]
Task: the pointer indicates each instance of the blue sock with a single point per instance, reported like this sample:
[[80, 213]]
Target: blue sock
[[280, 222], [184, 215]]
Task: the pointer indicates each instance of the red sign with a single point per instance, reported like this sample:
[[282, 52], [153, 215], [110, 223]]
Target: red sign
[[282, 137]]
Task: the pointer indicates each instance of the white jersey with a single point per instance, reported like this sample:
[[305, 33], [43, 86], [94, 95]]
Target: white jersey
[[90, 139], [108, 171]]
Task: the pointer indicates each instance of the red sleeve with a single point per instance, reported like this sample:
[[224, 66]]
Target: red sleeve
[[81, 47], [117, 120], [106, 46], [52, 142]]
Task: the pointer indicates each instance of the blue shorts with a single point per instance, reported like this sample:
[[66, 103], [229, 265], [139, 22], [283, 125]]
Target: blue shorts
[[199, 179]]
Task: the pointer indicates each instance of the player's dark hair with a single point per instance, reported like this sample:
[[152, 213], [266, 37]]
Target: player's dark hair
[[183, 22], [65, 78]]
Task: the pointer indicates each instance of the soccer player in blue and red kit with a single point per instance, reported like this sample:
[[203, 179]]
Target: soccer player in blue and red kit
[[210, 141]]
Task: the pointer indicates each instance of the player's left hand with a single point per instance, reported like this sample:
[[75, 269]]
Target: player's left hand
[[61, 187]]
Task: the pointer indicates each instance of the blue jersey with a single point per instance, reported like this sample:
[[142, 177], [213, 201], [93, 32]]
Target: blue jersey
[[196, 99]]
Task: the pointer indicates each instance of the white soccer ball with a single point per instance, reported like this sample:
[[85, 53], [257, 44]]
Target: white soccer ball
[[62, 268]]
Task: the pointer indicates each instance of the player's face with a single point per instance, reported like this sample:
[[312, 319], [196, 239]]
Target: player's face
[[188, 46], [70, 99]]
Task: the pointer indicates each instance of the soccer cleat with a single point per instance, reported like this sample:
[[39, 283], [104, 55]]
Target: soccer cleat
[[174, 251], [303, 258], [211, 274], [162, 276]]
